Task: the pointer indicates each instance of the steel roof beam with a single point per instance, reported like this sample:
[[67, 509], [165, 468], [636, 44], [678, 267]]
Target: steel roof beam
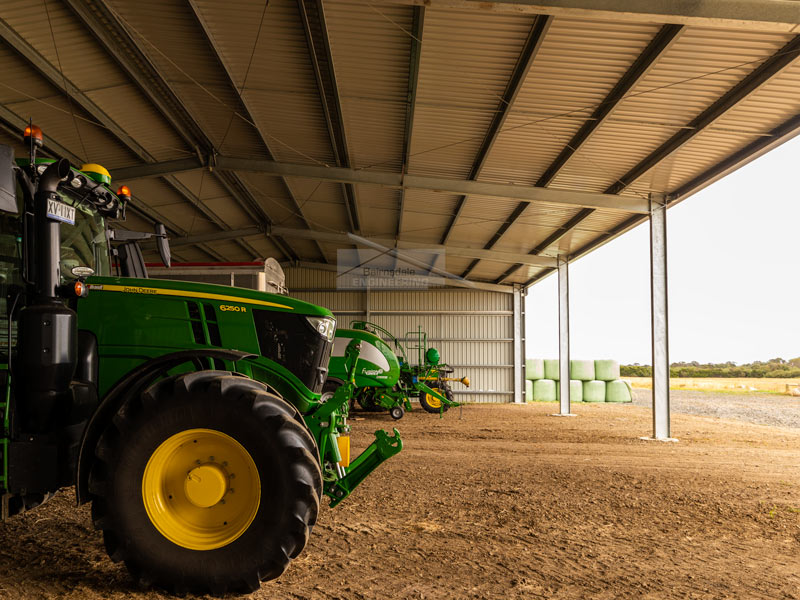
[[55, 78], [771, 15], [417, 26], [777, 136], [660, 43], [397, 180], [110, 32], [312, 15], [345, 239], [782, 59], [762, 145], [248, 114], [524, 63]]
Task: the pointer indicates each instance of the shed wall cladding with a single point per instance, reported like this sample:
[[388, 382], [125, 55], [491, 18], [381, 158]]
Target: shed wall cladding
[[473, 329]]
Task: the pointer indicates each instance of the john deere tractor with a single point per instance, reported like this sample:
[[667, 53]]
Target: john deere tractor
[[384, 377], [189, 415]]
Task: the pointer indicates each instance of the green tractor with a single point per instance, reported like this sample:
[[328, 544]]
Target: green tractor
[[384, 377], [188, 414]]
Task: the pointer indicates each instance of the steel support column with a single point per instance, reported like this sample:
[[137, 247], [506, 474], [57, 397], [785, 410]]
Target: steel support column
[[660, 329], [563, 336], [519, 348]]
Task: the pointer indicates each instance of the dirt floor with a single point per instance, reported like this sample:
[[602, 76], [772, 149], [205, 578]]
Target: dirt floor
[[508, 502]]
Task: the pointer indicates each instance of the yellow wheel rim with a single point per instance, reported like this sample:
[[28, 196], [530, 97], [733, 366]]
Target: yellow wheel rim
[[433, 401], [201, 489]]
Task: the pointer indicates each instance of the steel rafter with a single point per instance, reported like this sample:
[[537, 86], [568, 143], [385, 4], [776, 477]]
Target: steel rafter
[[342, 238], [660, 43], [527, 193], [758, 77], [248, 114], [777, 136], [312, 15], [110, 32], [417, 26], [524, 63], [55, 78]]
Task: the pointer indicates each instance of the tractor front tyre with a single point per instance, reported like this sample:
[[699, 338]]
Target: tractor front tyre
[[432, 404], [206, 483]]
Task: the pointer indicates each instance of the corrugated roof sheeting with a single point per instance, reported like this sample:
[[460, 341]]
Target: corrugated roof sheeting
[[488, 270], [577, 65], [281, 90], [766, 108], [271, 194], [426, 214], [320, 202], [378, 208], [534, 225], [169, 34], [467, 58], [82, 60], [90, 69], [210, 192], [465, 65], [480, 219], [371, 53], [264, 246], [697, 69]]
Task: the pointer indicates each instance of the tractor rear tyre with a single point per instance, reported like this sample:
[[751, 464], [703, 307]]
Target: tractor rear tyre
[[206, 483], [432, 404]]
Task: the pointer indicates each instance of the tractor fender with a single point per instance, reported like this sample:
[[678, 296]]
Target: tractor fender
[[134, 382]]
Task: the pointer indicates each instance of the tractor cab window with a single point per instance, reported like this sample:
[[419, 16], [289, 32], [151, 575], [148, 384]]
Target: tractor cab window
[[84, 244]]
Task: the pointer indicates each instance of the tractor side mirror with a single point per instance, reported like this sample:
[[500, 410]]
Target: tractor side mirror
[[8, 187], [162, 243]]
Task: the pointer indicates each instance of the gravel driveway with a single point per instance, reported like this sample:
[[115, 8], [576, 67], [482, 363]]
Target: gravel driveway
[[761, 409]]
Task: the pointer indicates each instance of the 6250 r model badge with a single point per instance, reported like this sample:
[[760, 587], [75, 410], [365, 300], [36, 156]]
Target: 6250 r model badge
[[59, 211]]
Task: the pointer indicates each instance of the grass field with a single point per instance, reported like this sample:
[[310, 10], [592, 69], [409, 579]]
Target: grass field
[[722, 384]]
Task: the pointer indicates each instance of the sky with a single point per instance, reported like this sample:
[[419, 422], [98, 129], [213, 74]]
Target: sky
[[734, 277]]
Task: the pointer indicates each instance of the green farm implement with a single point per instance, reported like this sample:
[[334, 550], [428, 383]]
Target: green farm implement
[[188, 414], [384, 377]]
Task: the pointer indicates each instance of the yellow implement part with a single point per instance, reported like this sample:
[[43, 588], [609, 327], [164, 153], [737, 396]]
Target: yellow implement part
[[432, 400], [201, 489], [343, 441]]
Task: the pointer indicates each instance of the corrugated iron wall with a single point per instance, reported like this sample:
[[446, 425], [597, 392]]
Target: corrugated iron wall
[[473, 329]]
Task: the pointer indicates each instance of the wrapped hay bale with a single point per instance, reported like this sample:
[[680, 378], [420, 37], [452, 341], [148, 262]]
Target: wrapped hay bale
[[544, 390], [528, 390], [582, 370], [575, 391], [551, 369], [618, 391], [534, 369], [594, 391], [606, 370]]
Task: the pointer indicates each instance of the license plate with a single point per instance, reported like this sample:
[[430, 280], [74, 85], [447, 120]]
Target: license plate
[[59, 211]]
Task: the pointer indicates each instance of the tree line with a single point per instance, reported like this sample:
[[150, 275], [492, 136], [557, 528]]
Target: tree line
[[776, 367]]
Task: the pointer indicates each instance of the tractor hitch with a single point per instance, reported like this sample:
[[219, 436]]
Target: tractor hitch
[[384, 447]]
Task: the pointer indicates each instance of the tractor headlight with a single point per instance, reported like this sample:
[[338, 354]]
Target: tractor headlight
[[325, 326]]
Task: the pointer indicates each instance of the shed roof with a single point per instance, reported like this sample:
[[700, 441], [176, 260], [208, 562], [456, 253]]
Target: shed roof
[[508, 133]]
